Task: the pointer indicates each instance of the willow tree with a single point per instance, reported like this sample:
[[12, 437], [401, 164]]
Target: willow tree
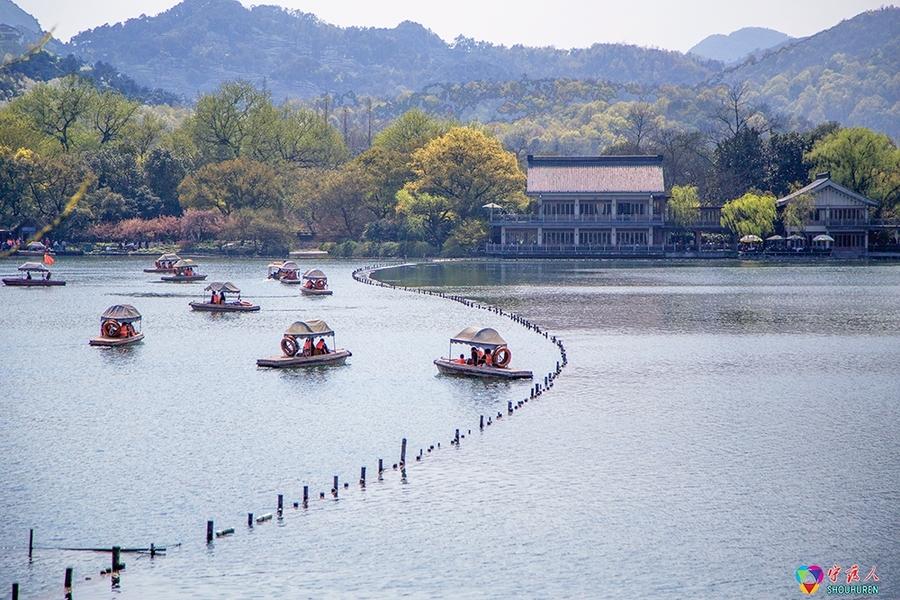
[[751, 214]]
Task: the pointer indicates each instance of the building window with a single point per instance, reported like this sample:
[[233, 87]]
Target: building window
[[593, 238], [559, 237], [559, 209], [631, 208], [594, 209], [631, 238], [521, 237], [849, 240]]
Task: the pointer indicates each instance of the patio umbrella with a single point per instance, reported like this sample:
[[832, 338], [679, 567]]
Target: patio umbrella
[[774, 238], [823, 238], [492, 206], [795, 237], [750, 239]]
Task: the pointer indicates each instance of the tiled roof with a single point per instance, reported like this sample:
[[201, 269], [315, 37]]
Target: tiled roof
[[595, 174], [823, 182]]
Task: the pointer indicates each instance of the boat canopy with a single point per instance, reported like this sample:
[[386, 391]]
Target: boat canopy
[[35, 246], [484, 337], [33, 266], [219, 286], [290, 265], [185, 262], [124, 313], [309, 329], [314, 274], [169, 257]]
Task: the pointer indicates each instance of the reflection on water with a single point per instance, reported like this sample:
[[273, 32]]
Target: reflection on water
[[715, 419]]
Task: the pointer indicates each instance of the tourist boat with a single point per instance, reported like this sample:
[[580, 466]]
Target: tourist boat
[[289, 273], [481, 341], [273, 270], [299, 349], [117, 327], [315, 283], [185, 271], [26, 279], [218, 299], [164, 264]]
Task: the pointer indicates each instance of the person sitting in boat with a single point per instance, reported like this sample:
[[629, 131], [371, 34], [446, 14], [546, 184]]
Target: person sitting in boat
[[309, 284], [476, 356], [488, 358], [214, 299], [321, 346], [308, 347], [222, 297], [461, 360], [28, 275]]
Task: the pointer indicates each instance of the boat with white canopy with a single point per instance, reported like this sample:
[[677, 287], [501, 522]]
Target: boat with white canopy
[[301, 348], [119, 326], [185, 270], [33, 274], [164, 264], [489, 356], [289, 272], [315, 283], [220, 292]]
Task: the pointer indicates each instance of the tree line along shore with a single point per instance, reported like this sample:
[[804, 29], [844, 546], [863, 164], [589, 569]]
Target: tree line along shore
[[238, 172]]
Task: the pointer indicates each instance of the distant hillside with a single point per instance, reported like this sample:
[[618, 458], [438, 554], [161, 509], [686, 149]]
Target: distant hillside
[[739, 44], [199, 43], [847, 73], [12, 15]]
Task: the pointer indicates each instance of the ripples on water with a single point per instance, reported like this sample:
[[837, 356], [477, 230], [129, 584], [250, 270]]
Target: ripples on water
[[717, 427]]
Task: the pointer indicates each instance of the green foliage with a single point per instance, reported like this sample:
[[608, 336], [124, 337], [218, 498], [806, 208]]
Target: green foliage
[[431, 214], [684, 205], [863, 160], [751, 214], [797, 213], [232, 185]]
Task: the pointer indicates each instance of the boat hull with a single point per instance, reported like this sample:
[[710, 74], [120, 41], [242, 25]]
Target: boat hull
[[15, 281], [309, 292], [451, 368], [182, 278], [209, 307], [338, 357], [158, 270], [113, 342], [290, 281]]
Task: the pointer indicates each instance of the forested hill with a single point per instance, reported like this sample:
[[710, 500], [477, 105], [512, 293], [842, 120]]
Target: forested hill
[[847, 73], [199, 43], [739, 44]]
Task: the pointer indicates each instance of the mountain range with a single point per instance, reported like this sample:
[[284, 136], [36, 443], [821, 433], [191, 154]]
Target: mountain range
[[738, 45], [846, 73]]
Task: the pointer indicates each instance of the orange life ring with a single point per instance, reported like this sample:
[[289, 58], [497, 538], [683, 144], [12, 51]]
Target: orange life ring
[[110, 328], [502, 356], [320, 284], [289, 346]]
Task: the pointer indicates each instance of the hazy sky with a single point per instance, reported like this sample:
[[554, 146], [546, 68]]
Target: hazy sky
[[675, 24]]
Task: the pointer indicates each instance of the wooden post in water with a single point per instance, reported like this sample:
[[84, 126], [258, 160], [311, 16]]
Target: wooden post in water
[[68, 582], [249, 519], [456, 437], [380, 467], [30, 544], [335, 486], [209, 531], [509, 407], [116, 554], [403, 452], [362, 476], [481, 422], [15, 591], [152, 549], [305, 495], [280, 504]]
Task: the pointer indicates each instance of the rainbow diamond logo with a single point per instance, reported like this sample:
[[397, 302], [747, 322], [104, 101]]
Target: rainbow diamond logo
[[809, 578]]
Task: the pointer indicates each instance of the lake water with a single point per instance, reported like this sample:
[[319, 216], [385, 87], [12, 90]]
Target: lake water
[[717, 427]]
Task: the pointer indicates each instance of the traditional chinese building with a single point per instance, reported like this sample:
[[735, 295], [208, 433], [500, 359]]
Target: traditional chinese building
[[837, 212], [587, 205]]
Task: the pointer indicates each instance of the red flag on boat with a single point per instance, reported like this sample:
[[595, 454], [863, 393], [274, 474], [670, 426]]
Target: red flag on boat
[[48, 260]]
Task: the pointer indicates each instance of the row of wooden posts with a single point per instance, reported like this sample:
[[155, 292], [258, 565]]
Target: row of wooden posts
[[361, 275]]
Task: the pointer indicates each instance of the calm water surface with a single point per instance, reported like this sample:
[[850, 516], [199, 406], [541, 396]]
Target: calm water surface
[[717, 427]]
